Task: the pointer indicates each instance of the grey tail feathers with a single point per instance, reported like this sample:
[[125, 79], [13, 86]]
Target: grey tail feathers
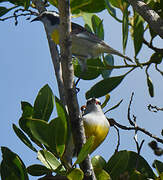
[[110, 50]]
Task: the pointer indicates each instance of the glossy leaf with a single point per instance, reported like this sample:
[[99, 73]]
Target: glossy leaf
[[53, 2], [104, 87], [156, 58], [107, 98], [116, 4], [4, 10], [50, 161], [126, 161], [62, 131], [108, 60], [76, 174], [138, 32], [93, 7], [24, 3], [23, 125], [114, 107], [27, 109], [38, 170], [12, 166], [102, 175], [44, 104], [86, 149], [136, 175], [98, 26], [98, 162], [150, 86], [125, 29], [159, 166], [110, 9], [23, 138], [93, 69], [43, 132], [87, 17]]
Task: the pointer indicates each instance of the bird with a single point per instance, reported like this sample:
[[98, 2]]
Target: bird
[[85, 44], [95, 122]]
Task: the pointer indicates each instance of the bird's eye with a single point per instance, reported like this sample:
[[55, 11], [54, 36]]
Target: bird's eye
[[98, 102]]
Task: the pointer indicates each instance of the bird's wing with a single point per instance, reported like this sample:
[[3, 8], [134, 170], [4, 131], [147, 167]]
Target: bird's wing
[[82, 33]]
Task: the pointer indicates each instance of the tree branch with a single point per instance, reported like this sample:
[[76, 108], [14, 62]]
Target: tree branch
[[149, 15], [70, 89], [40, 6]]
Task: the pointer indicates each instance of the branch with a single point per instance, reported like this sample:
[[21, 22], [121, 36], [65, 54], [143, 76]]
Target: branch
[[152, 47], [40, 6], [154, 108], [70, 89], [149, 15]]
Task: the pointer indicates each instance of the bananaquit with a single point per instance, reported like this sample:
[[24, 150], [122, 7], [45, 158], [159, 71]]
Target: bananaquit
[[85, 45]]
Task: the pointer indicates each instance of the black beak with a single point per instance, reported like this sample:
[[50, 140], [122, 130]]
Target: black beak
[[36, 19]]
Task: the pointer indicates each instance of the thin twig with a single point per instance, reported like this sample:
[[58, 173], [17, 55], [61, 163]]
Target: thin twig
[[113, 122], [154, 108], [118, 142], [152, 47], [129, 109]]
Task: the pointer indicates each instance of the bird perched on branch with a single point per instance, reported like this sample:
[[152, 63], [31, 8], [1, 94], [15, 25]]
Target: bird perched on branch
[[95, 122], [85, 45]]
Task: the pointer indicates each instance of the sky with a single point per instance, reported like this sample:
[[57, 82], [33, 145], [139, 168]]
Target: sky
[[26, 66]]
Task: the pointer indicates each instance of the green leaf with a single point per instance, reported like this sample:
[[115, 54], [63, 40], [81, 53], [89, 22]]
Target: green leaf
[[104, 87], [93, 69], [62, 129], [43, 132], [107, 98], [4, 10], [159, 166], [156, 58], [127, 161], [44, 104], [87, 6], [97, 26], [114, 3], [125, 29], [98, 162], [150, 86], [136, 175], [76, 174], [138, 32], [102, 175], [108, 60], [38, 170], [50, 161], [27, 109], [26, 4], [86, 149], [87, 17], [12, 166], [53, 2], [23, 138], [23, 124], [114, 107]]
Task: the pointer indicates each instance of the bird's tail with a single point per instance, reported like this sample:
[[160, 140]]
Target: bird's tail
[[110, 50]]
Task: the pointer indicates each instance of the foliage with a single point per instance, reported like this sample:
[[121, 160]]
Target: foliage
[[49, 137]]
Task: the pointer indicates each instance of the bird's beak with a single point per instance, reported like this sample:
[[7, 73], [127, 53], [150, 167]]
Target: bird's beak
[[36, 19]]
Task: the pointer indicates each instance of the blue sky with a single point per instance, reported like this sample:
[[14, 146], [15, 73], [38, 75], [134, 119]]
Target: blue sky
[[26, 66]]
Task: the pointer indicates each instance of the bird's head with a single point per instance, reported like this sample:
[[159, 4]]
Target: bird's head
[[48, 18], [93, 104]]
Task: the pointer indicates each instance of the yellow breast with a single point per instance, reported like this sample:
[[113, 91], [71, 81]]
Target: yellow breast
[[55, 36], [99, 131]]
